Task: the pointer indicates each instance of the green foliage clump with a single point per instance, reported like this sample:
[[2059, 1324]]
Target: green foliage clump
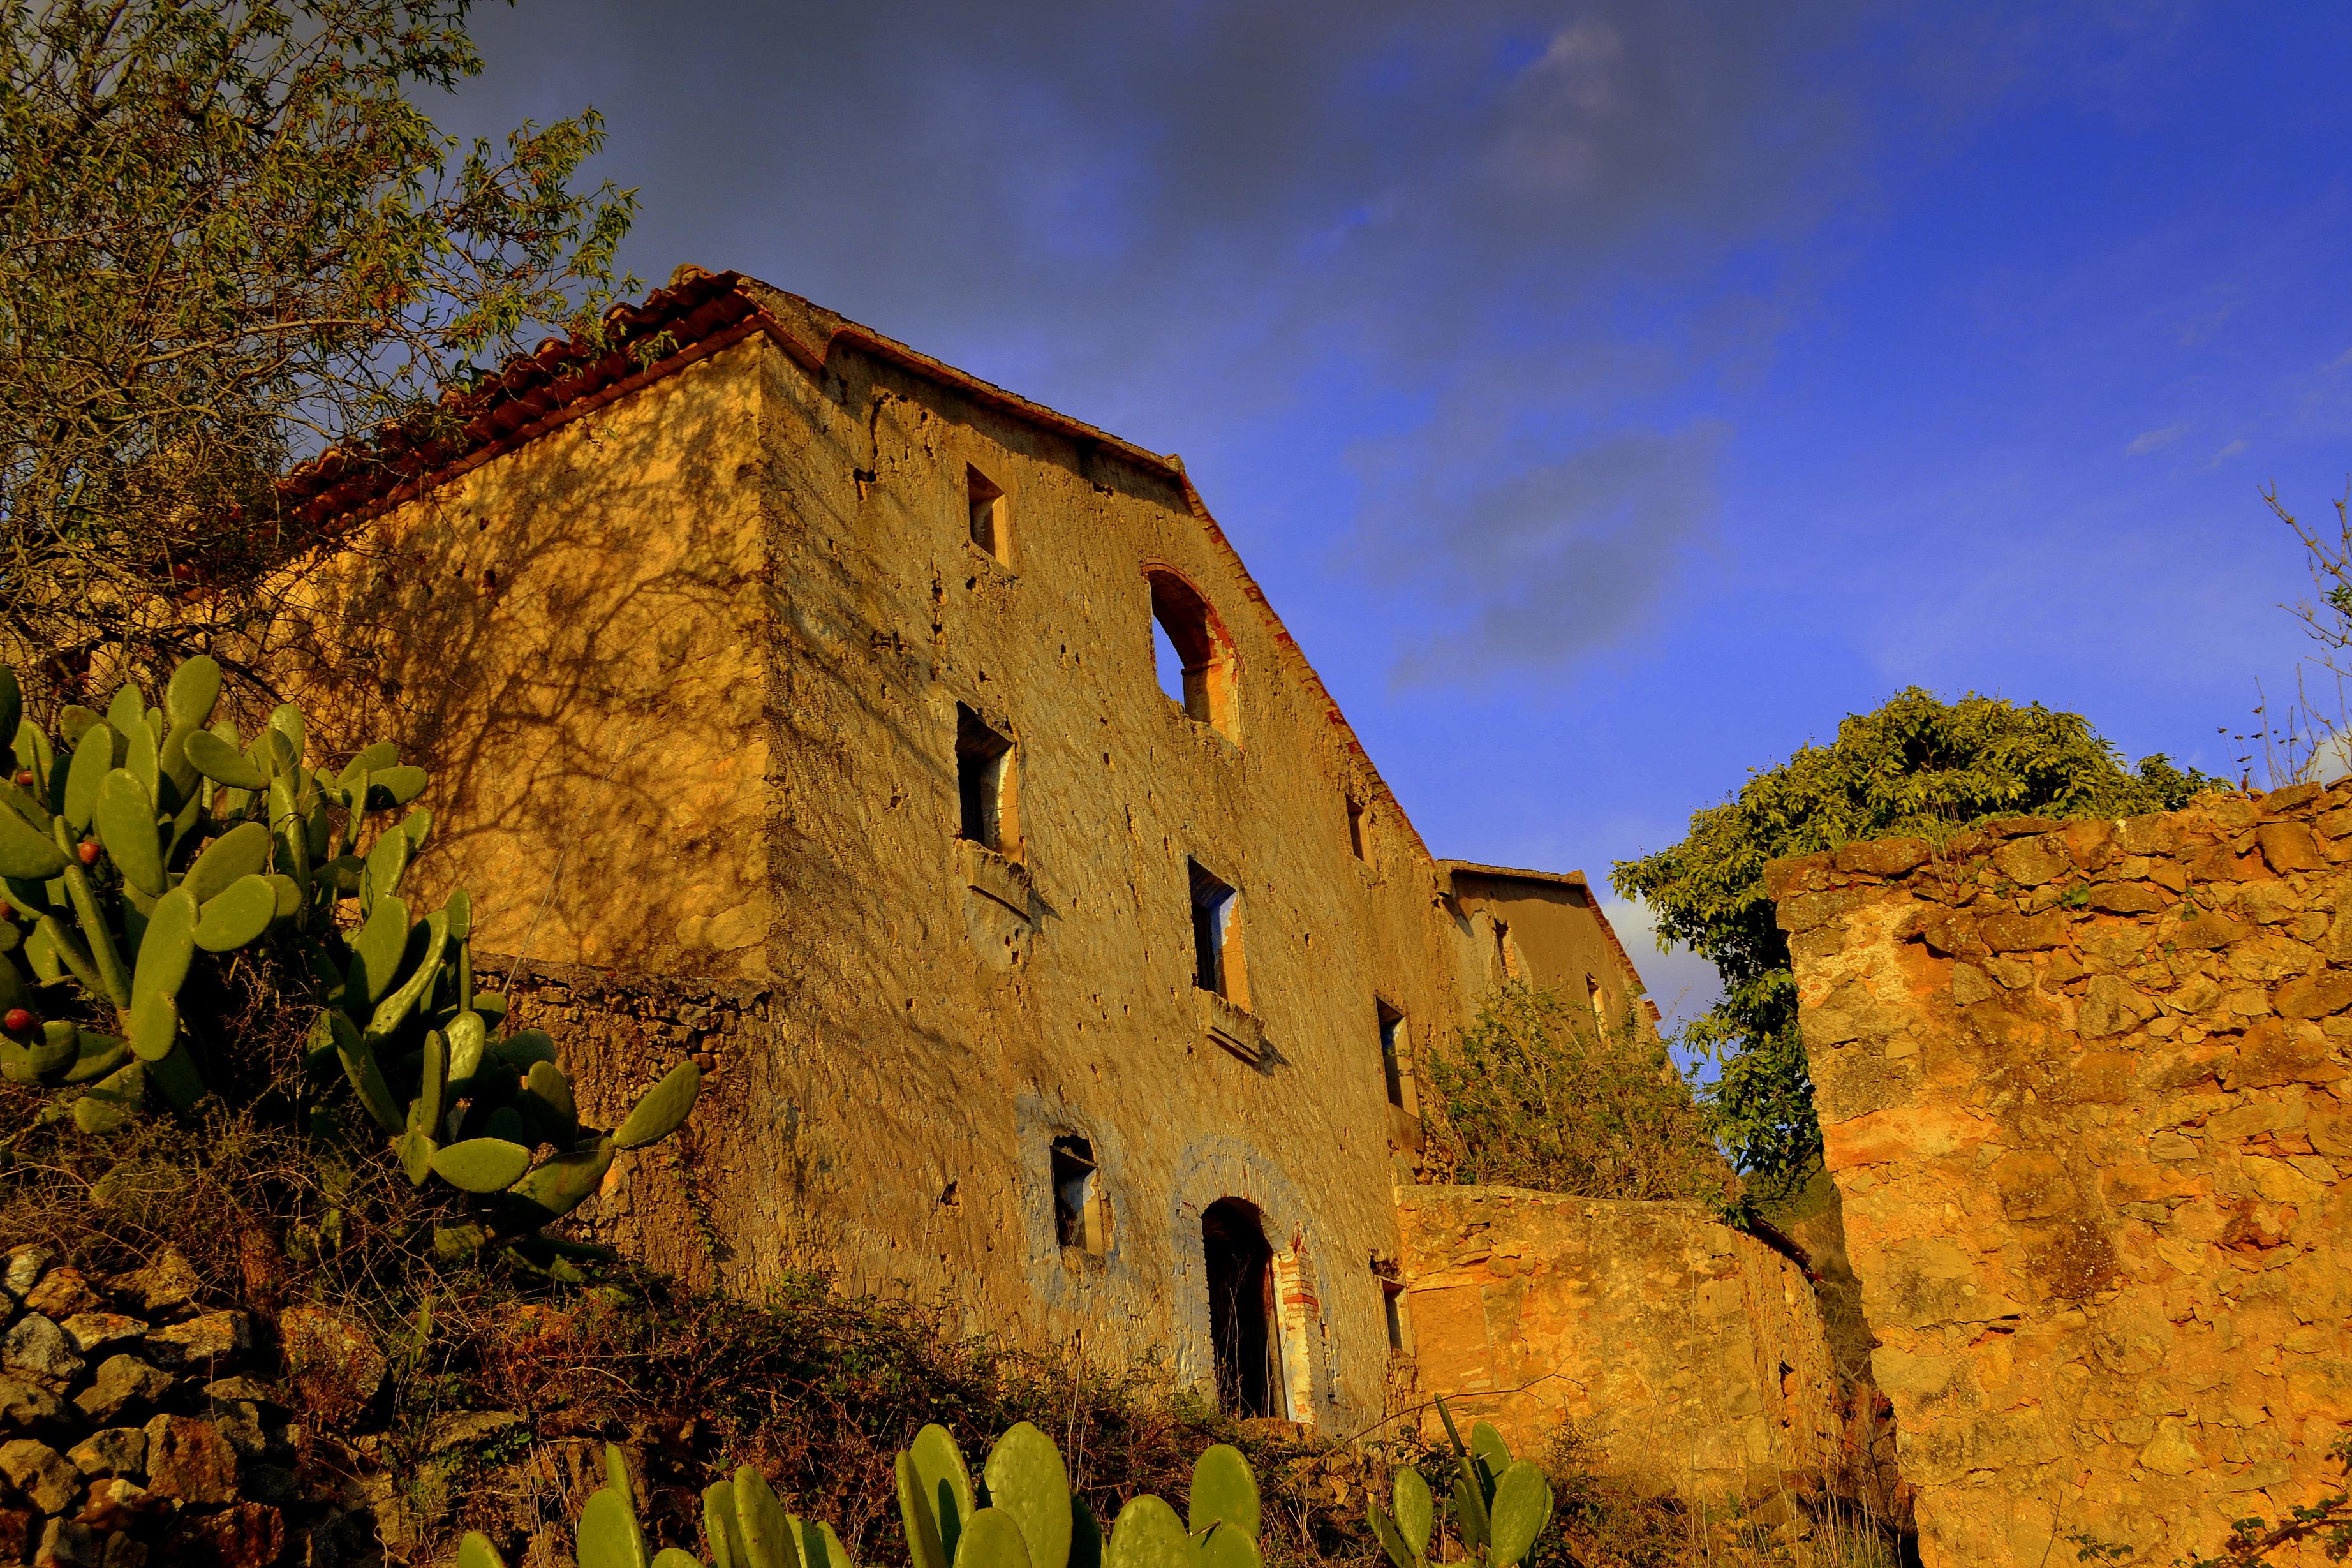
[[1538, 1092], [232, 237], [1915, 766]]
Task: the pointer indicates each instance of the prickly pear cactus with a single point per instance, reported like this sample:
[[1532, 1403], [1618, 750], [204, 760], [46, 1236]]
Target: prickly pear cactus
[[1033, 1521], [139, 841], [1498, 1508], [121, 862]]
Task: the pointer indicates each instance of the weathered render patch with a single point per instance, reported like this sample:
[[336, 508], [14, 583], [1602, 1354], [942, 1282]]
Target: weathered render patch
[[1676, 1353], [2084, 1091]]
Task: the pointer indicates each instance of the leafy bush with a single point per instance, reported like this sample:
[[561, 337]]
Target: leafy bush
[[1916, 765], [1538, 1092]]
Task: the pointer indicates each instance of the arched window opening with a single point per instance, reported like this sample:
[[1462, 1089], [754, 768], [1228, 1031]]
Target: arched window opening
[[1186, 636], [1244, 1343]]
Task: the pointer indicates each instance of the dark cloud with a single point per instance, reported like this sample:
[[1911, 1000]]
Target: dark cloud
[[1164, 217], [1559, 558]]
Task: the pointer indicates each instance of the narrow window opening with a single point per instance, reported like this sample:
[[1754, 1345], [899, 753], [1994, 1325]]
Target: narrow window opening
[[1081, 1218], [1356, 827], [984, 505], [1213, 949], [1594, 999], [1245, 1346], [1187, 636], [1507, 957], [1392, 1053], [1392, 1301], [982, 769]]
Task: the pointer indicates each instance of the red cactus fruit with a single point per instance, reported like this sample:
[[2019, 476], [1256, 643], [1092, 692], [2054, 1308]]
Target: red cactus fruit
[[18, 1020], [23, 776], [88, 851]]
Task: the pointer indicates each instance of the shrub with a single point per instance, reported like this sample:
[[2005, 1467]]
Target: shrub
[[1538, 1092]]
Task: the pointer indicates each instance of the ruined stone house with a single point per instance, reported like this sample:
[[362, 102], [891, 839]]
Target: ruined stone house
[[792, 700]]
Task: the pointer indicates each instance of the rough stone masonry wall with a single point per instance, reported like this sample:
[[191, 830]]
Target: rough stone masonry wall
[[1679, 1355], [2082, 1088]]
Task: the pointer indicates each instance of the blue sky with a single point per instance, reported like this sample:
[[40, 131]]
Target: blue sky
[[1611, 396]]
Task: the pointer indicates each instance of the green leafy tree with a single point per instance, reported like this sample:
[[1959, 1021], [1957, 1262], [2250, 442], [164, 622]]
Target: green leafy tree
[[229, 238], [1538, 1092], [1915, 766]]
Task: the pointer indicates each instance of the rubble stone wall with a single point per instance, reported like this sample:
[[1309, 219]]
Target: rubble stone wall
[[2082, 1090], [1668, 1350]]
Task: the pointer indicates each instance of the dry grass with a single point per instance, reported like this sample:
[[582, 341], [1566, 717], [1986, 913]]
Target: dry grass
[[816, 1388]]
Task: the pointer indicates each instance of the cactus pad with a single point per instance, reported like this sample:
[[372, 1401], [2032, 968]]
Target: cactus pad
[[25, 853], [125, 819], [761, 1523], [1491, 1453], [243, 851], [663, 1109], [112, 1100], [720, 1529], [608, 1536], [1523, 1503], [476, 1552], [193, 689], [1392, 1539], [482, 1164], [1416, 1511], [1225, 1547], [1223, 1492], [376, 952], [154, 1025], [238, 916], [1027, 1480], [942, 1485], [222, 763], [1147, 1534], [561, 1185], [992, 1538], [166, 949]]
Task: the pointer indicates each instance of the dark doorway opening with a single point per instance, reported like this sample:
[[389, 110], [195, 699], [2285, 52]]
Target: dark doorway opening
[[1242, 1333]]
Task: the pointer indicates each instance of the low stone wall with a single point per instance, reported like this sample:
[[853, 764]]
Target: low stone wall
[[2083, 1093], [1672, 1351]]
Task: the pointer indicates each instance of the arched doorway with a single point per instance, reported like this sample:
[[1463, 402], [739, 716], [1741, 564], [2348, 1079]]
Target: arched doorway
[[1244, 1338]]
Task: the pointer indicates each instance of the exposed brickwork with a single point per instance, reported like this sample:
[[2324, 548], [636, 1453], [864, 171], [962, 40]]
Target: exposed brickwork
[[2083, 1092]]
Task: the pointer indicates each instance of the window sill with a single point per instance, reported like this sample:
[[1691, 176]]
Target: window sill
[[997, 876], [1231, 1027], [990, 559]]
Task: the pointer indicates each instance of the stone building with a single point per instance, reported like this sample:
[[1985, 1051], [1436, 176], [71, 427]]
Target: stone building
[[793, 699]]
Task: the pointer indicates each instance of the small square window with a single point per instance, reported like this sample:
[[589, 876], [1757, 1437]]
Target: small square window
[[985, 507], [1081, 1217], [983, 782], [1214, 952], [1392, 1052]]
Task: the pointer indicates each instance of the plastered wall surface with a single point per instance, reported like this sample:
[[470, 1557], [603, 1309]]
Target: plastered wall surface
[[2083, 1093], [1685, 1356]]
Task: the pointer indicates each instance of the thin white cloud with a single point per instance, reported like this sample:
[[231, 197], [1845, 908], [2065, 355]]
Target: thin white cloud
[[2228, 452], [2148, 441], [1680, 981]]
